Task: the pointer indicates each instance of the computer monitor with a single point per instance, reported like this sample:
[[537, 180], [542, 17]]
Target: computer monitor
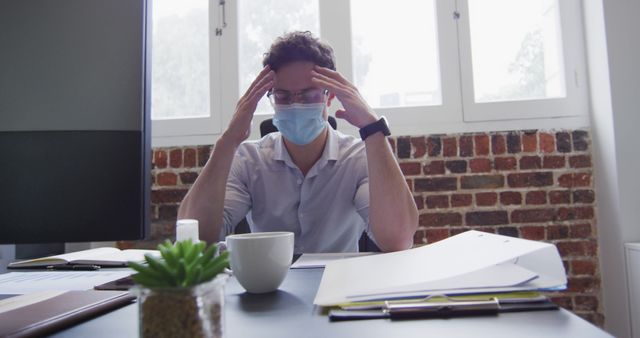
[[74, 120]]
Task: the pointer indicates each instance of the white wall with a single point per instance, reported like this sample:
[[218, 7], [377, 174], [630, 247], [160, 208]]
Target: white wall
[[613, 52]]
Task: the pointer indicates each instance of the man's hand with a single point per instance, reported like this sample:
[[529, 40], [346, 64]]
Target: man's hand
[[356, 111], [240, 126]]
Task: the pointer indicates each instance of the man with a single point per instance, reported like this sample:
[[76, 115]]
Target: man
[[324, 186]]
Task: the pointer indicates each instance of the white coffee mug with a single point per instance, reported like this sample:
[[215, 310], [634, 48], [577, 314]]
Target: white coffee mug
[[260, 260]]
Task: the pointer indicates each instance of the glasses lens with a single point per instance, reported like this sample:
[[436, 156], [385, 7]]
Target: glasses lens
[[312, 95]]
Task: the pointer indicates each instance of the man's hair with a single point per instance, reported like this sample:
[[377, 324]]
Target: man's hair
[[299, 46]]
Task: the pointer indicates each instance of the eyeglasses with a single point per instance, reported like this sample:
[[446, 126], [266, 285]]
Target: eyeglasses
[[309, 95]]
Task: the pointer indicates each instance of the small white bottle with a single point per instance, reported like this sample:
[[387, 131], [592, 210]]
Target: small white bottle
[[187, 229]]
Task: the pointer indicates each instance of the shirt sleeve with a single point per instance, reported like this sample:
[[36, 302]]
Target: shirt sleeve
[[361, 202], [237, 199]]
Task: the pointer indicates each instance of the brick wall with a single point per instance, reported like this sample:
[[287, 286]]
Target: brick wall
[[530, 184]]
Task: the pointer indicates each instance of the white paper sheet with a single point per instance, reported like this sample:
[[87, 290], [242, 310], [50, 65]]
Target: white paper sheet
[[28, 282], [319, 260], [417, 271]]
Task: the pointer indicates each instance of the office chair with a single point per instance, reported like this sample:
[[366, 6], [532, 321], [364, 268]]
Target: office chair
[[266, 127]]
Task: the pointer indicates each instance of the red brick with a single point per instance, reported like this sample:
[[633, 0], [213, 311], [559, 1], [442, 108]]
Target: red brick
[[434, 168], [568, 214], [530, 162], [204, 152], [529, 142], [404, 147], [553, 162], [580, 161], [480, 165], [532, 232], [461, 200], [487, 218], [586, 303], [591, 248], [582, 284], [168, 212], [510, 198], [189, 158], [513, 143], [188, 177], [434, 235], [486, 198], [409, 184], [532, 215], [565, 302], [457, 231], [166, 179], [509, 231], [536, 197], [419, 201], [434, 146], [563, 142], [160, 159], [559, 197], [580, 230], [436, 184], [437, 201], [419, 146], [583, 267], [168, 196], [505, 163], [482, 144], [482, 182], [583, 196], [449, 147], [456, 166], [466, 146], [535, 179], [410, 168], [175, 158], [440, 219], [547, 142], [557, 232], [498, 144], [575, 180], [571, 248], [420, 236]]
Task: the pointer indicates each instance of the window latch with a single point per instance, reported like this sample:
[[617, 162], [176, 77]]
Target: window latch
[[222, 4]]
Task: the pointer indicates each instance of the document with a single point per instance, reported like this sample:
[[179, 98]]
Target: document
[[28, 282], [319, 260], [111, 257], [471, 262]]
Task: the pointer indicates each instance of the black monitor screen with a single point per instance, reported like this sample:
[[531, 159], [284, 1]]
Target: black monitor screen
[[74, 120]]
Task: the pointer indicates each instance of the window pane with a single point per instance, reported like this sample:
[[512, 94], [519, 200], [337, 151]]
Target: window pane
[[395, 52], [260, 22], [516, 50], [180, 59]]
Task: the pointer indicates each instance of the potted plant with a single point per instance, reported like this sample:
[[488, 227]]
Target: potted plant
[[181, 294]]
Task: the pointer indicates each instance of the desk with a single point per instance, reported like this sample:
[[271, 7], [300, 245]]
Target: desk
[[290, 312]]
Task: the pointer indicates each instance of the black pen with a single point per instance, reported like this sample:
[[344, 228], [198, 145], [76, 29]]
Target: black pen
[[76, 267]]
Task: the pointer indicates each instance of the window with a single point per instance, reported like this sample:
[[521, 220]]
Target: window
[[428, 66]]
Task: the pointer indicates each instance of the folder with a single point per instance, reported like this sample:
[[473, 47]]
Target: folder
[[45, 312], [468, 263]]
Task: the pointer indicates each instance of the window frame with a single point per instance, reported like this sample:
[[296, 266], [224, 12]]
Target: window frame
[[457, 113]]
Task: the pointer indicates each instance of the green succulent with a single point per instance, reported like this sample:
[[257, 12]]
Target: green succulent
[[184, 264]]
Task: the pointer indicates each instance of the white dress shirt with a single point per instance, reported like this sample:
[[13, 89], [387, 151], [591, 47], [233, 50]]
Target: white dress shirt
[[327, 210]]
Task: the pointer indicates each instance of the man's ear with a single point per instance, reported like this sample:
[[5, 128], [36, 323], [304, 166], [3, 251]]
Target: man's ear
[[331, 97]]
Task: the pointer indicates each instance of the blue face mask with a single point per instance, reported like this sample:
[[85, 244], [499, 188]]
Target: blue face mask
[[299, 123]]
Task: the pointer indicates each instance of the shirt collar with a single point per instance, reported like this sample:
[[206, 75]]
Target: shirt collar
[[330, 152]]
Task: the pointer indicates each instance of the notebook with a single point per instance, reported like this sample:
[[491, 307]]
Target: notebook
[[43, 313], [105, 257]]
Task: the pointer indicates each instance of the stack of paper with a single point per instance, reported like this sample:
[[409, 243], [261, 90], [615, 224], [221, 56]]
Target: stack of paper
[[471, 262]]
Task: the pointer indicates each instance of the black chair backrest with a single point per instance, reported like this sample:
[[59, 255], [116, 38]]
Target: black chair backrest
[[267, 127]]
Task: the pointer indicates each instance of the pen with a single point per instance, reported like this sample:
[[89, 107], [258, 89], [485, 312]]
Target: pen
[[75, 267]]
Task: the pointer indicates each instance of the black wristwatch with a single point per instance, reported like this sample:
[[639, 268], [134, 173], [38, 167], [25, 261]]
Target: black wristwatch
[[378, 126]]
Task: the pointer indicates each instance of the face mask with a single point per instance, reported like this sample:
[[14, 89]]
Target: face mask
[[299, 123]]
